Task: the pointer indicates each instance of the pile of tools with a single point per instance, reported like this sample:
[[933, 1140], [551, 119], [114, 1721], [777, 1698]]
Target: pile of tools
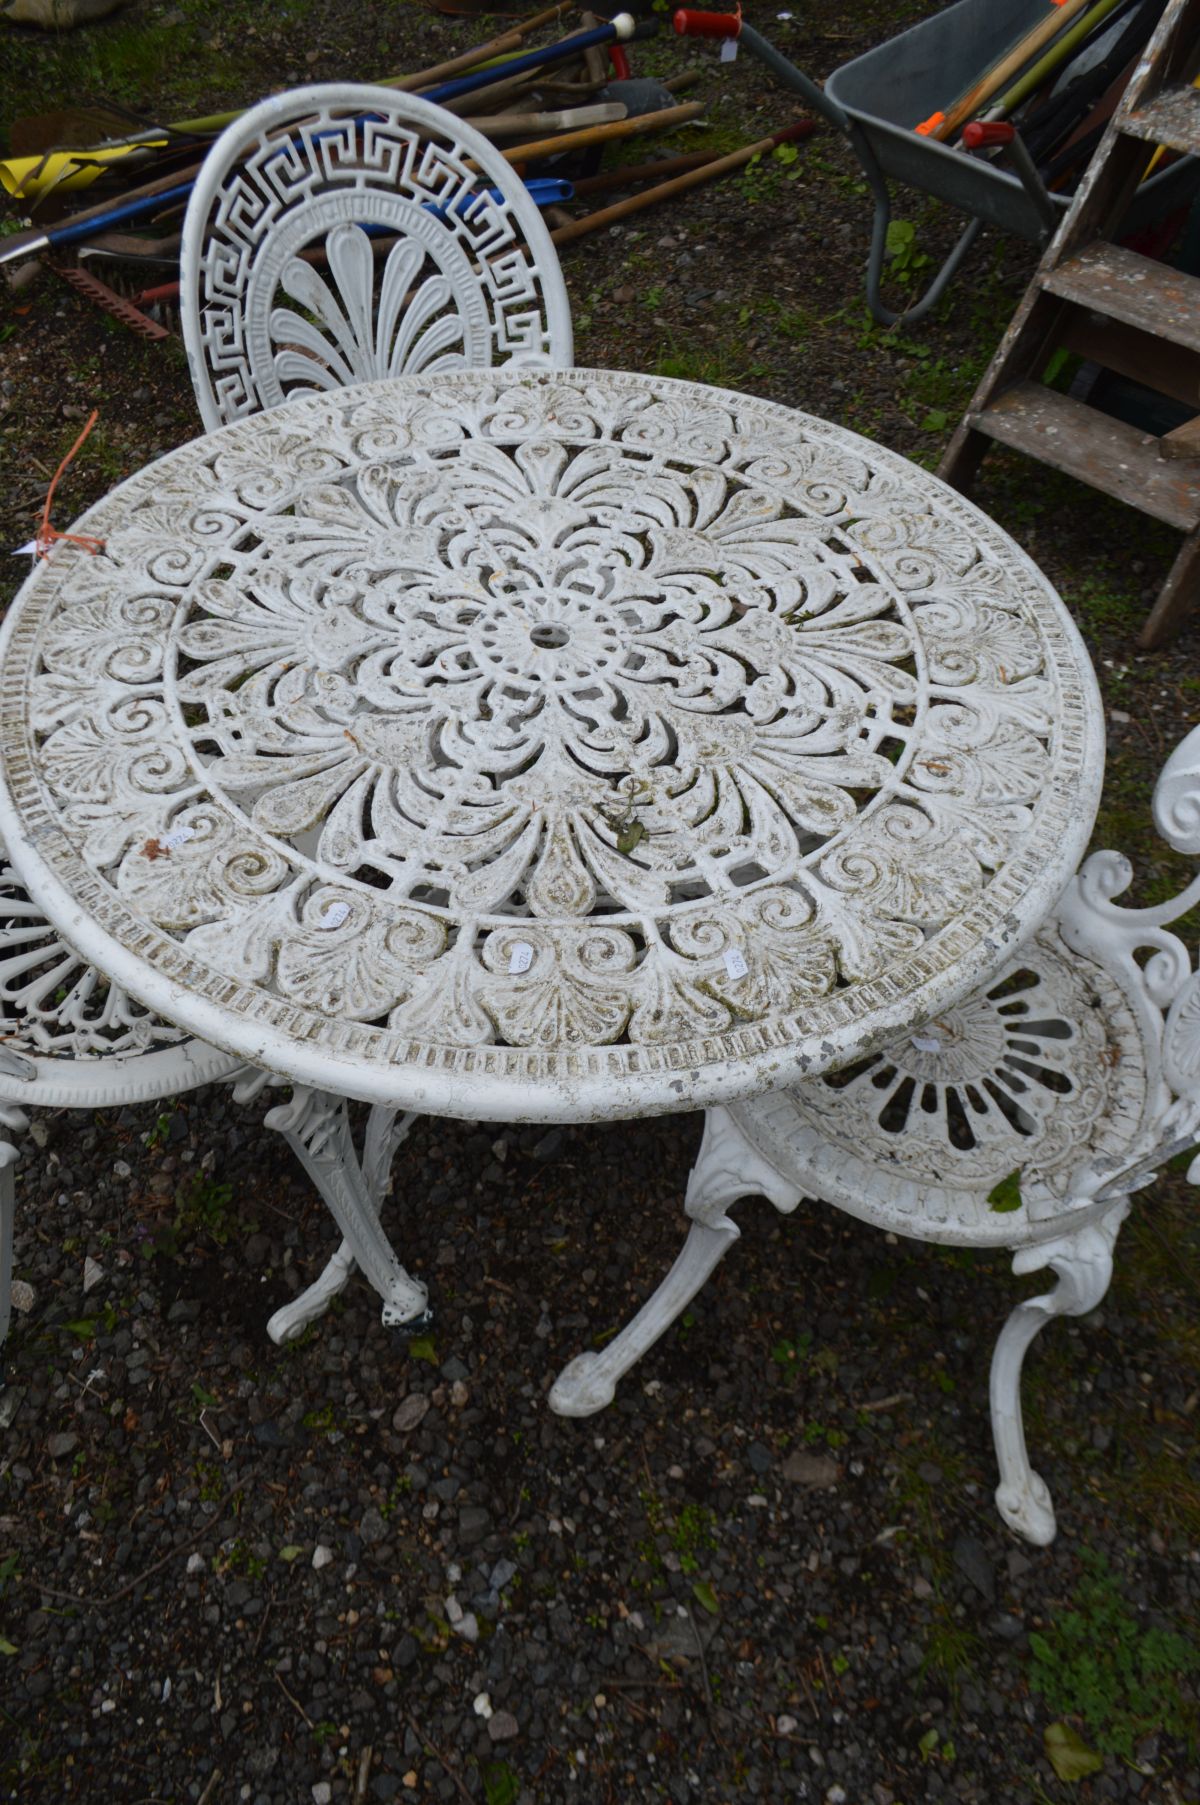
[[553, 109], [1059, 81]]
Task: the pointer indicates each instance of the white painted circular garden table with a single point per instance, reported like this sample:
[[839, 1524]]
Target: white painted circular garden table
[[544, 746]]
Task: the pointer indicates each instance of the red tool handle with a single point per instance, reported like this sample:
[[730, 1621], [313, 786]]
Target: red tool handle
[[982, 133], [803, 128], [691, 24]]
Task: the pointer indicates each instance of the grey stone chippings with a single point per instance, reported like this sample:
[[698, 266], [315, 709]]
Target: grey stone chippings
[[277, 1531]]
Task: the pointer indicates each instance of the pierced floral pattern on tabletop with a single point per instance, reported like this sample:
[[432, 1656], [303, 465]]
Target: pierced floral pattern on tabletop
[[557, 717]]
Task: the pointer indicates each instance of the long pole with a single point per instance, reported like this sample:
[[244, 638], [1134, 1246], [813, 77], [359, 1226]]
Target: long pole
[[1058, 53], [662, 191], [600, 134], [618, 30], [994, 78]]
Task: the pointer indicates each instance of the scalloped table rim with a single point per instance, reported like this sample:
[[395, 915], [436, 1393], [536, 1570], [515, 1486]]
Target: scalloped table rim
[[495, 1083]]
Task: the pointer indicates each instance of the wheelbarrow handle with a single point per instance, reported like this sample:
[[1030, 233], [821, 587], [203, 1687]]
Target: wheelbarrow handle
[[731, 25], [691, 24]]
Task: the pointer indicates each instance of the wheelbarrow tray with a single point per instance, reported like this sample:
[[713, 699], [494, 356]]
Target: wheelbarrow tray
[[890, 90]]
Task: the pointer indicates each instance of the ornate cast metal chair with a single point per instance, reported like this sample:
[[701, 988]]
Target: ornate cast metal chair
[[338, 234], [71, 1040], [1024, 1119]]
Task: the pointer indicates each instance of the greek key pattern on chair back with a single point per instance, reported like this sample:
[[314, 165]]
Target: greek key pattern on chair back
[[338, 234]]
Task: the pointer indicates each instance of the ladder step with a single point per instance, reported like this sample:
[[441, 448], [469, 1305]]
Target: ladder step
[[1144, 293], [1171, 118], [1170, 369], [1105, 453]]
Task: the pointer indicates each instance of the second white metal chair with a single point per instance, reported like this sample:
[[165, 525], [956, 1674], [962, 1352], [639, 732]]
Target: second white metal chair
[[1024, 1119]]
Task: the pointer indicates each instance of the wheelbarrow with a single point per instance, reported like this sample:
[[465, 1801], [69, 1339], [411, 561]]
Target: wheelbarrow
[[877, 100]]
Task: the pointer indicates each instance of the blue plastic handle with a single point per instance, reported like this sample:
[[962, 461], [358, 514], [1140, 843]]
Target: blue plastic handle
[[543, 191]]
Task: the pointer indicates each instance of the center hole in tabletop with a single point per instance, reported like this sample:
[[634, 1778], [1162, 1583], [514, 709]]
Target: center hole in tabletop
[[549, 634]]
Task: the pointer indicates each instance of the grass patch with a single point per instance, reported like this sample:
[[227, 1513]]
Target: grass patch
[[1121, 1679]]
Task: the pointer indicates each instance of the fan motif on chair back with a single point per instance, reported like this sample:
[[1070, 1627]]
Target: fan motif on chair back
[[338, 235]]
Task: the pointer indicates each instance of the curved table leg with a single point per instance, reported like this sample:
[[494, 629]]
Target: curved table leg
[[1083, 1262], [384, 1134], [316, 1127], [727, 1168]]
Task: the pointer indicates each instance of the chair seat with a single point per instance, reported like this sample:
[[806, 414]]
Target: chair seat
[[1047, 1071], [70, 1039]]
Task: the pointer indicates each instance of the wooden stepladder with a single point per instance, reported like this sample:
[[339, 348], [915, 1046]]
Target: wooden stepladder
[[1128, 313]]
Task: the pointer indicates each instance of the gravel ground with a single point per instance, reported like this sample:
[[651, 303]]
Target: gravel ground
[[360, 1569]]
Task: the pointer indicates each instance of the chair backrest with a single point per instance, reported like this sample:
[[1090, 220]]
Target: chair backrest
[[341, 233], [1156, 967]]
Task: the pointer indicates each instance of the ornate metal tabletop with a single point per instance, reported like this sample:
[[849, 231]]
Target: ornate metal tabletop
[[544, 746]]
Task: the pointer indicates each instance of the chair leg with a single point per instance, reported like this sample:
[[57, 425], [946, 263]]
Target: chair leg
[[8, 1207], [727, 1168], [1083, 1262], [317, 1129], [14, 1120]]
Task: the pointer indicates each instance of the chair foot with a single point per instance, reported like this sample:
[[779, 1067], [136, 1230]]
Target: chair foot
[[726, 1169], [1083, 1263], [1028, 1509]]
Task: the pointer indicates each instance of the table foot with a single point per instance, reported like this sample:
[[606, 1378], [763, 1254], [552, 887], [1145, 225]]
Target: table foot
[[1083, 1262], [316, 1127], [292, 1320], [400, 1316]]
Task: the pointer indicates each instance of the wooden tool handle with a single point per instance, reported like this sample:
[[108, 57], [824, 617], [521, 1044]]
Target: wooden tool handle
[[600, 134], [661, 191], [994, 79]]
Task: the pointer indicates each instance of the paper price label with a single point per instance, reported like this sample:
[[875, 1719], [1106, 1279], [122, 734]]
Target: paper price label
[[927, 1043], [728, 49], [179, 837], [735, 963], [335, 915], [521, 958]]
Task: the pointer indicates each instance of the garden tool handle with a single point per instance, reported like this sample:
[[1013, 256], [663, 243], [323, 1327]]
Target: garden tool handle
[[691, 24], [981, 134], [731, 25]]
